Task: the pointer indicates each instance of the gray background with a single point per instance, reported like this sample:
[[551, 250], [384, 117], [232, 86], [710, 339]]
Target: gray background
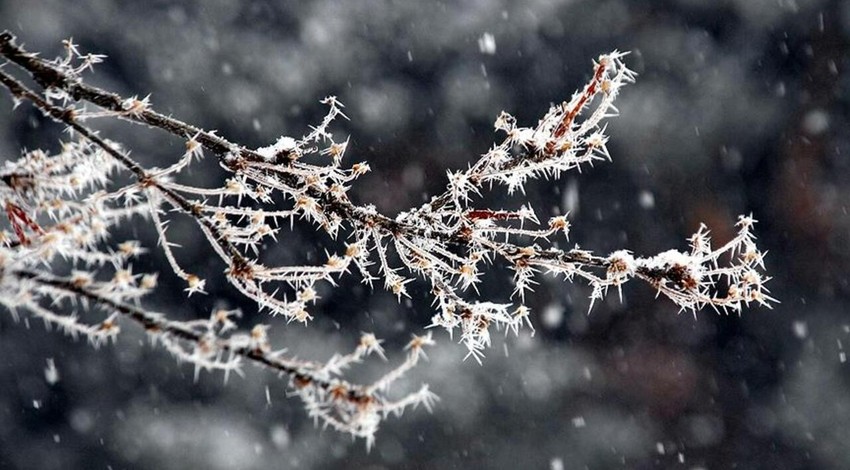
[[740, 106]]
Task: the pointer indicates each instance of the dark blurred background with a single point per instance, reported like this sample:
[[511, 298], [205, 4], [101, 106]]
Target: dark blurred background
[[741, 106]]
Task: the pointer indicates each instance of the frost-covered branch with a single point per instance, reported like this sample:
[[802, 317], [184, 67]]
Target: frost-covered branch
[[63, 208]]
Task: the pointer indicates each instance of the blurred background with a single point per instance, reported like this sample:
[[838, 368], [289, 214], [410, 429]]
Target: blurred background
[[741, 106]]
